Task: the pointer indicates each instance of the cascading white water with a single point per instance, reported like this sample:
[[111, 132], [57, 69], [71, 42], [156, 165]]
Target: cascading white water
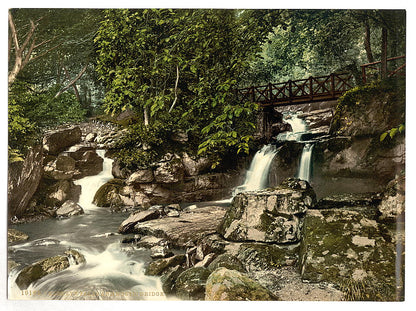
[[90, 184], [304, 171], [298, 128], [257, 174], [112, 271]]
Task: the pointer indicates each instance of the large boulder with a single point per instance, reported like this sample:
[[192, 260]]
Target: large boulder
[[68, 209], [62, 191], [59, 168], [90, 164], [231, 285], [47, 266], [23, 181], [348, 247], [190, 284], [274, 215], [57, 141], [15, 236], [189, 227], [108, 195], [227, 261]]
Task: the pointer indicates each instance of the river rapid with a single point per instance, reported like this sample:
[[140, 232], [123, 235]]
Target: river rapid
[[112, 271]]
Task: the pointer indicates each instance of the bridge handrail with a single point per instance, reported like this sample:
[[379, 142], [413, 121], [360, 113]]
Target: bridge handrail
[[312, 88], [366, 75]]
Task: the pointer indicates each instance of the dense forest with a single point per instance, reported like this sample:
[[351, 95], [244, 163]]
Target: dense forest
[[176, 69]]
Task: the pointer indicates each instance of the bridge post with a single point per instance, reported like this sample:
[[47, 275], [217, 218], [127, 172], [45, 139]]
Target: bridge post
[[332, 85], [310, 88]]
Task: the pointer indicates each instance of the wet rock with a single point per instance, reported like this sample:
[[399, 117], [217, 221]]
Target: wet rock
[[190, 284], [23, 180], [140, 177], [40, 269], [160, 266], [68, 209], [15, 236], [150, 241], [275, 215], [75, 256], [231, 285], [132, 240], [169, 278], [127, 226], [227, 261], [160, 251], [57, 141], [261, 256], [108, 194], [90, 164]]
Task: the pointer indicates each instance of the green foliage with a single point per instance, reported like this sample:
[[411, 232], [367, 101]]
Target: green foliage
[[142, 53], [31, 111], [392, 132], [319, 42]]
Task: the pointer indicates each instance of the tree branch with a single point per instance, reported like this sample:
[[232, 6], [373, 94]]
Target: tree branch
[[176, 89], [72, 82]]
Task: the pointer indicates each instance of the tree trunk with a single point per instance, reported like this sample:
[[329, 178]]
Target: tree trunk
[[367, 42], [384, 53], [146, 116]]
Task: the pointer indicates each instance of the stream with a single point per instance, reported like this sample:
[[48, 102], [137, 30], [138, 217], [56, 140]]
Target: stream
[[112, 270]]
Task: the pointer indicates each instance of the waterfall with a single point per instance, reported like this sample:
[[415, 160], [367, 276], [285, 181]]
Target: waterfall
[[298, 128], [304, 171], [258, 173], [90, 184]]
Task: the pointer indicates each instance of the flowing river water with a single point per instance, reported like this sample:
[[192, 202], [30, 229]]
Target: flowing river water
[[112, 270]]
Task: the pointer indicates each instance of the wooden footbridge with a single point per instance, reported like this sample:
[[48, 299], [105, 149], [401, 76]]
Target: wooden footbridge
[[312, 89]]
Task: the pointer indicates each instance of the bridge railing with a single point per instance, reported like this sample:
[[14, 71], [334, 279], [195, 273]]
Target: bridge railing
[[396, 66], [297, 91]]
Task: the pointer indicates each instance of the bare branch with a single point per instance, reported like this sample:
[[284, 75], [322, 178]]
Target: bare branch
[[72, 82], [176, 89], [29, 35], [14, 32], [46, 52]]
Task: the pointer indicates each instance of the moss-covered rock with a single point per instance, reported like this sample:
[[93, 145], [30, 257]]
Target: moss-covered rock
[[344, 244], [227, 261], [272, 215], [160, 266], [169, 277], [109, 194], [15, 236], [261, 256], [231, 285], [190, 284], [40, 269]]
